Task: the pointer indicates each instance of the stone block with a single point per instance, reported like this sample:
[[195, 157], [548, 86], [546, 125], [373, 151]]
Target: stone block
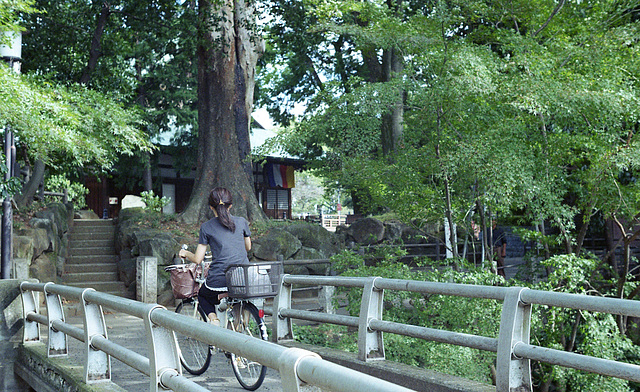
[[146, 279]]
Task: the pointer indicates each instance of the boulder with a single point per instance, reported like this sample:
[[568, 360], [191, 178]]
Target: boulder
[[52, 232], [157, 244], [367, 231], [314, 236], [43, 269], [23, 247], [411, 235], [276, 244], [132, 201], [393, 231], [127, 271], [296, 270], [40, 242], [312, 254], [127, 226], [58, 214]]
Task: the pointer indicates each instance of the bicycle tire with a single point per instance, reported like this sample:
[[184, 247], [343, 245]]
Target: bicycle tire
[[195, 356], [250, 374]]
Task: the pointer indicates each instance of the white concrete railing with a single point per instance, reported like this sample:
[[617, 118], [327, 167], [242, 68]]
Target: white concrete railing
[[163, 367], [513, 348]]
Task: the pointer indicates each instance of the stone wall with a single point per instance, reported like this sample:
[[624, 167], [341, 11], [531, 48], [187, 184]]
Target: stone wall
[[40, 251], [296, 241]]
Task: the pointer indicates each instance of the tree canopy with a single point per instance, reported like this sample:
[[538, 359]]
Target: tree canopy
[[508, 106]]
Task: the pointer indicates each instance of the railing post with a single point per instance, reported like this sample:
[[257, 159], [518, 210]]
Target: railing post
[[282, 326], [163, 351], [57, 340], [513, 373], [98, 363], [31, 329], [288, 368], [370, 343]]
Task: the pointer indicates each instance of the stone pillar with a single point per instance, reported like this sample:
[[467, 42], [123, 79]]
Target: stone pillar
[[20, 269], [147, 279], [325, 297]]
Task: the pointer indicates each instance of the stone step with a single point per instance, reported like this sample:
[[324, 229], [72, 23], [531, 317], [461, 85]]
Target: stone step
[[104, 287], [93, 222], [96, 227], [91, 235], [89, 277], [90, 267], [93, 251], [91, 243], [92, 259]]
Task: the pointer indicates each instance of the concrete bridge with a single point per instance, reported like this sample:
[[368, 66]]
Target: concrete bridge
[[512, 346]]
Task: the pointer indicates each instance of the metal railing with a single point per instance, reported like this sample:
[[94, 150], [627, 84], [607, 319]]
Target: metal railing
[[296, 366], [512, 346]]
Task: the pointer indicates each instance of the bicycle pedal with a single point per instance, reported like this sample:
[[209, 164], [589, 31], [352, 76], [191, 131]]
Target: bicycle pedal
[[240, 363]]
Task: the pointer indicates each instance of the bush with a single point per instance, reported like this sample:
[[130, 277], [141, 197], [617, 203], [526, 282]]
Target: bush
[[153, 202], [75, 191]]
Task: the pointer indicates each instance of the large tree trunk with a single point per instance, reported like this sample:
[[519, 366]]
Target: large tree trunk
[[392, 122], [227, 58], [96, 44], [30, 188]]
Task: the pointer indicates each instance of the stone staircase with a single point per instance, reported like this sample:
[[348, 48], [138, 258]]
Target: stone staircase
[[92, 261]]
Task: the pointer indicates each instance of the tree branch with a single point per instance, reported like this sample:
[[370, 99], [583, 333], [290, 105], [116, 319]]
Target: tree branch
[[555, 11]]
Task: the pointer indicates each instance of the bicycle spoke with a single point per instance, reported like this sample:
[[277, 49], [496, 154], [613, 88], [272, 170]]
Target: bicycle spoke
[[195, 356], [249, 373]]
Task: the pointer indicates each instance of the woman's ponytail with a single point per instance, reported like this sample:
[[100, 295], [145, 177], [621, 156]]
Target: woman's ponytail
[[220, 199]]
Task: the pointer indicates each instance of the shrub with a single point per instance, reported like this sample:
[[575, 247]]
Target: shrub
[[75, 190]]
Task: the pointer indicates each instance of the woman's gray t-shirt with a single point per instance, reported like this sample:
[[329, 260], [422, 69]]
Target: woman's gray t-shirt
[[227, 248]]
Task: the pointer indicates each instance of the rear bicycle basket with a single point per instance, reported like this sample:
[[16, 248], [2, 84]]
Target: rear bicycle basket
[[254, 280]]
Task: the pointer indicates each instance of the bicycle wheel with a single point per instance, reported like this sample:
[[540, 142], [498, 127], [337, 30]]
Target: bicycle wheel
[[247, 320], [195, 355]]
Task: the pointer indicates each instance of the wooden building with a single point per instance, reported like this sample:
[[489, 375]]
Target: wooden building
[[273, 179]]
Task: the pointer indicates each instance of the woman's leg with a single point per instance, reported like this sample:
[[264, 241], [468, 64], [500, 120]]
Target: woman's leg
[[208, 301]]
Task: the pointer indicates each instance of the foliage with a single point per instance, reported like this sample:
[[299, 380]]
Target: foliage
[[182, 232], [139, 53], [444, 312], [306, 197], [9, 11], [581, 332], [505, 107], [67, 126], [154, 202], [8, 187], [75, 190]]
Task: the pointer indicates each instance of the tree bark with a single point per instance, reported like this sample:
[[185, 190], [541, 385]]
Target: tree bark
[[227, 57], [96, 51], [30, 188], [392, 123]]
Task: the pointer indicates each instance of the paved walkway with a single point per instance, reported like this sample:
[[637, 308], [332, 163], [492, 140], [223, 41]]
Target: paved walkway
[[128, 331]]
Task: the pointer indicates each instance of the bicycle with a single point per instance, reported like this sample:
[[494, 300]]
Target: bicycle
[[236, 312]]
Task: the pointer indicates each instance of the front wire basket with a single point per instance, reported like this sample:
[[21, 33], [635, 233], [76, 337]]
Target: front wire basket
[[254, 280]]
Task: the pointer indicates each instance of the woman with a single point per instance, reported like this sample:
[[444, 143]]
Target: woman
[[229, 238]]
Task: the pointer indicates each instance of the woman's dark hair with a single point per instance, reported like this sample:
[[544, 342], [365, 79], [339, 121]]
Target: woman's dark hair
[[220, 199]]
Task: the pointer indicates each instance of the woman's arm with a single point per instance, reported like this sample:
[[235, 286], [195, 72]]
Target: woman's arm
[[247, 243], [194, 257]]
